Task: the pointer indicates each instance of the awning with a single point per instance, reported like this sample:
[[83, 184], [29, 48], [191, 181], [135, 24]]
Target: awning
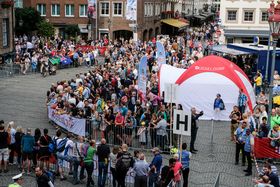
[[230, 51], [246, 33], [174, 23], [83, 28]]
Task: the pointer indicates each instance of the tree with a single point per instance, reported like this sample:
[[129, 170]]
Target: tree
[[45, 29], [72, 30], [27, 20]]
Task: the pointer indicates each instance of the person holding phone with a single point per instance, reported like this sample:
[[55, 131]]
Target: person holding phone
[[194, 128]]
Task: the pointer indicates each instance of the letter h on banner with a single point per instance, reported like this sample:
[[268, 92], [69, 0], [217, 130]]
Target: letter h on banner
[[182, 122]]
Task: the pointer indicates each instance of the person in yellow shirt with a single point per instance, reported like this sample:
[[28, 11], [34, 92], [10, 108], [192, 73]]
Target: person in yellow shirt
[[258, 82], [80, 88]]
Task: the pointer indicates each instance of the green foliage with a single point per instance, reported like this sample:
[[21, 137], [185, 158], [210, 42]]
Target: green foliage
[[29, 18], [72, 30], [45, 29]]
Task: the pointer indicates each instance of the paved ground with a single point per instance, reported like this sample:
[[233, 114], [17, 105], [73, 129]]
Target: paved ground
[[22, 100]]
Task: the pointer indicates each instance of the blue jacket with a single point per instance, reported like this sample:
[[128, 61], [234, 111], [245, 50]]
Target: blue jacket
[[27, 143], [157, 162]]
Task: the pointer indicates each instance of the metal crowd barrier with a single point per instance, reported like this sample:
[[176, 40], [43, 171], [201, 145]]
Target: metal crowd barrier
[[142, 138]]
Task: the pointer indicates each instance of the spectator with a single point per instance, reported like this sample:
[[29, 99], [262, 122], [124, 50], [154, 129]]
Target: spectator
[[168, 178], [161, 131], [275, 118], [27, 143], [18, 136], [242, 101], [44, 142], [235, 116], [155, 167], [274, 180], [186, 155], [103, 152], [60, 156], [113, 161], [258, 82], [12, 131], [264, 182], [42, 179], [125, 161], [89, 165], [274, 136], [177, 170], [141, 168], [249, 151], [4, 151], [240, 141], [36, 147], [264, 128]]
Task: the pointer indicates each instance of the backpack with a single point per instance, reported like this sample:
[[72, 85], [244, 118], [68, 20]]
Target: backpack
[[53, 146], [50, 175], [61, 145], [124, 163]]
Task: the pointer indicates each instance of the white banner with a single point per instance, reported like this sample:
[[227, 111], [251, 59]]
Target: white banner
[[131, 10], [67, 122]]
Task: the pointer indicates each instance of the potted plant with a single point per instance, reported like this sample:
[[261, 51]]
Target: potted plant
[[7, 3]]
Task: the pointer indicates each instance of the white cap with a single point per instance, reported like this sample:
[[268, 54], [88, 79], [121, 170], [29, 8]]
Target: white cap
[[17, 176]]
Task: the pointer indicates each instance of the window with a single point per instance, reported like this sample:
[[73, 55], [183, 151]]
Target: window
[[248, 16], [18, 3], [229, 40], [55, 10], [83, 10], [69, 10], [146, 9], [157, 9], [104, 9], [42, 9], [151, 9], [232, 15], [117, 9], [264, 16], [5, 32]]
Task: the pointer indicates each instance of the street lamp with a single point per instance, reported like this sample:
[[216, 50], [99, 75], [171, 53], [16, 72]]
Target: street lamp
[[274, 26], [270, 12]]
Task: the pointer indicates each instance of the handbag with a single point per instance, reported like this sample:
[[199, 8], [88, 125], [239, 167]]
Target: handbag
[[81, 158]]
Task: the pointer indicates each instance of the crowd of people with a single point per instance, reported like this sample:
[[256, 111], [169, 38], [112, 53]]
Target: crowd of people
[[116, 112], [33, 153]]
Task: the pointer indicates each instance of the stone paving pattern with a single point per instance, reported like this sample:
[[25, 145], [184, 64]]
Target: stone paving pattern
[[22, 100]]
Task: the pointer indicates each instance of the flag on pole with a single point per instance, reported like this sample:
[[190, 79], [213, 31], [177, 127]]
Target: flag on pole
[[160, 54], [92, 9], [142, 78], [131, 10]]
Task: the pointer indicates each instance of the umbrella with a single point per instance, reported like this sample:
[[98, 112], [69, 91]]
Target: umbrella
[[65, 60], [55, 60]]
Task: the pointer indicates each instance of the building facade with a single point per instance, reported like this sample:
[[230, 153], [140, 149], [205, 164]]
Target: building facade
[[6, 33], [112, 20], [243, 19], [110, 17]]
